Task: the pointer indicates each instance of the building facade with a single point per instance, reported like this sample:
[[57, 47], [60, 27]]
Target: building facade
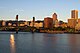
[[13, 23], [2, 23], [72, 23], [78, 20], [74, 14], [37, 24], [74, 19], [54, 16], [55, 20], [48, 22]]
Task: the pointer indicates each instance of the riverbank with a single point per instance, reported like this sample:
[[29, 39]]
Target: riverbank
[[50, 32], [59, 32]]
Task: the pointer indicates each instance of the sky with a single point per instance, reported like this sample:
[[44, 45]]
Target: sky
[[26, 9]]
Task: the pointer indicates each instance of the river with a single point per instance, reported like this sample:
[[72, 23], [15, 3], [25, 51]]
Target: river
[[26, 42]]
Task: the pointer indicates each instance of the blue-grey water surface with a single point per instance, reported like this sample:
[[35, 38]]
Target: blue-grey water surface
[[26, 42]]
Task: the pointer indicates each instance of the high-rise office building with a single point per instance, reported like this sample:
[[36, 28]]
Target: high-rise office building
[[55, 20], [54, 16], [74, 14], [74, 19]]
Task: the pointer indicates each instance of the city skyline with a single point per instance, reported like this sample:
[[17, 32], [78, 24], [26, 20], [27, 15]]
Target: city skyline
[[27, 9]]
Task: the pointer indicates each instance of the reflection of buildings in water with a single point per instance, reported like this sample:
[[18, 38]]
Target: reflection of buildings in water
[[50, 39], [12, 43], [33, 36], [73, 43], [50, 43]]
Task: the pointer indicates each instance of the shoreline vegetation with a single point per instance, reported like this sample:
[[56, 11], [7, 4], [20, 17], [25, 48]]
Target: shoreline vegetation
[[58, 30]]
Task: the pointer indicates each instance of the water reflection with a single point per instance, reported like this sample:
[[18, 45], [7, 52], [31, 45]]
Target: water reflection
[[73, 43], [40, 43], [62, 43], [50, 43], [12, 43]]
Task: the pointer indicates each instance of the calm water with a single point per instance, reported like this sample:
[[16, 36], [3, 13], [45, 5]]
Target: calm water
[[25, 42]]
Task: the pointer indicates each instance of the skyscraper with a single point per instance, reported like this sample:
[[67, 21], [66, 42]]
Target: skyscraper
[[74, 19], [54, 16], [55, 20], [74, 14]]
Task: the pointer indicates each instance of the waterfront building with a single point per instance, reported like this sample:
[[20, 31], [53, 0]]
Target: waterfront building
[[55, 20], [78, 20], [38, 24], [11, 23], [72, 23], [74, 19], [54, 17], [14, 24], [56, 23], [74, 14], [2, 23], [48, 22], [21, 23], [25, 23], [77, 27]]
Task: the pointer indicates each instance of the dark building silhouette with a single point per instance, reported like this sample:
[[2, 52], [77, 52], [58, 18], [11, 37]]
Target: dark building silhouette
[[48, 22], [33, 21], [17, 17]]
